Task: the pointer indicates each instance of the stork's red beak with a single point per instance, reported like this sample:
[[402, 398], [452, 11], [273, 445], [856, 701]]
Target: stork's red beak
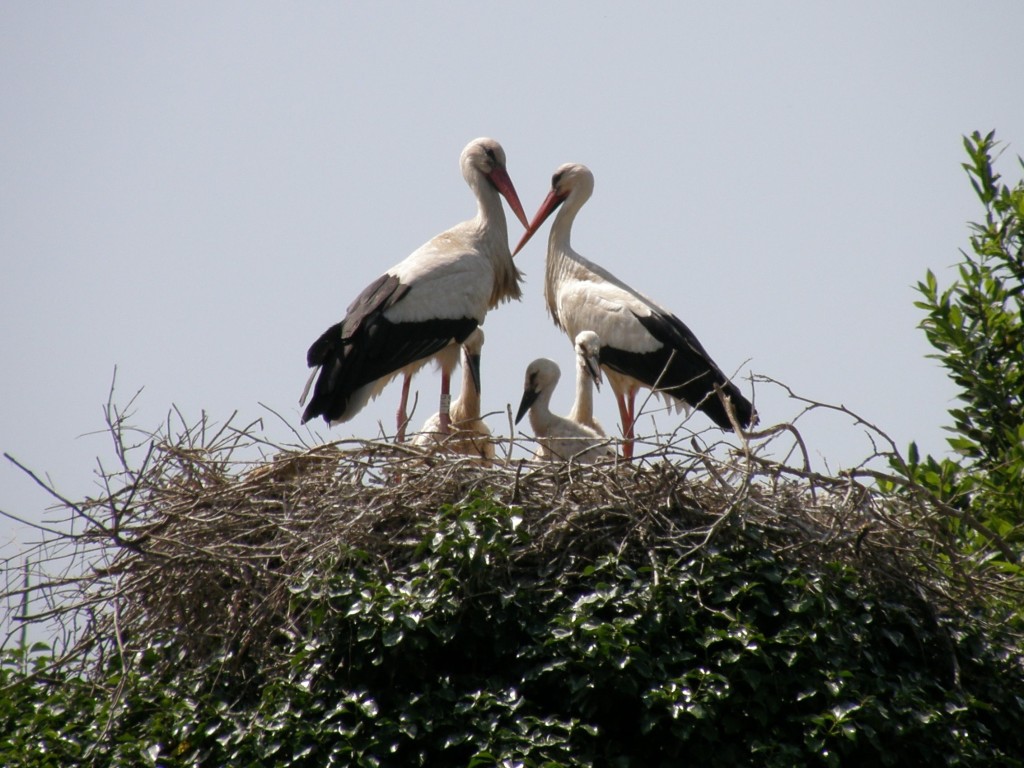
[[551, 202], [500, 179]]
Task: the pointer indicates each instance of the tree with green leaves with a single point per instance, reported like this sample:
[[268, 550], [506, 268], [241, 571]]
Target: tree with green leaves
[[977, 327]]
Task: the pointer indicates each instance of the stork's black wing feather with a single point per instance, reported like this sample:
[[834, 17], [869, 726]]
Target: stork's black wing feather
[[366, 346], [682, 368]]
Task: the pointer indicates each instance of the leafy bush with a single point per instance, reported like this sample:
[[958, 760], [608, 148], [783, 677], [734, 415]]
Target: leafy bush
[[977, 327], [730, 656]]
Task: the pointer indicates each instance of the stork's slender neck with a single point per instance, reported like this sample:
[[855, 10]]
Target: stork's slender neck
[[562, 261], [583, 407], [490, 215], [540, 411], [490, 231], [561, 230], [467, 406]]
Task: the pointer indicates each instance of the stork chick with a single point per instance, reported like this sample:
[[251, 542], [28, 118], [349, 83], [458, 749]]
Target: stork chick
[[588, 378], [560, 439]]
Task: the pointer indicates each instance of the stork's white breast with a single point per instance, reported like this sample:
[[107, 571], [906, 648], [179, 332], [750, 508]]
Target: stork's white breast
[[608, 310]]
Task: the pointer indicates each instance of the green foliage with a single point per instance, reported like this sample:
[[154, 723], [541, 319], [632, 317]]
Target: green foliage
[[977, 326], [729, 657]]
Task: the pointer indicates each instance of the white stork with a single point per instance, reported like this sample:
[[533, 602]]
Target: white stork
[[429, 301], [559, 438], [588, 377], [643, 344], [470, 435]]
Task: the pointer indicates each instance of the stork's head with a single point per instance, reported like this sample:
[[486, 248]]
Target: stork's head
[[541, 377], [486, 157], [571, 179]]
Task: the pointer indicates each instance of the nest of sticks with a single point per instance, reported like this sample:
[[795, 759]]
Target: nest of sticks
[[202, 529]]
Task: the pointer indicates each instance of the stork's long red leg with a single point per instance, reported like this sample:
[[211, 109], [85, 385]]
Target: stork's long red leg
[[625, 415], [403, 417], [627, 449]]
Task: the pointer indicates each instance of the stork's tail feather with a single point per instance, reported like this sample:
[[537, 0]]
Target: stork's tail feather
[[305, 389]]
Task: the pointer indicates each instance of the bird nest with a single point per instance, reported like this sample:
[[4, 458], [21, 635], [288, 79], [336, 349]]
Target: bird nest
[[202, 530]]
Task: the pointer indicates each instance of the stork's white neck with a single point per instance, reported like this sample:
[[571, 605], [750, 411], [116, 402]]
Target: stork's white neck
[[467, 405], [540, 412], [562, 262], [490, 215], [490, 233], [583, 407]]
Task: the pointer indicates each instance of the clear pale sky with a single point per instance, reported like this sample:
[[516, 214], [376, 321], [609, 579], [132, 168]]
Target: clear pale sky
[[192, 192]]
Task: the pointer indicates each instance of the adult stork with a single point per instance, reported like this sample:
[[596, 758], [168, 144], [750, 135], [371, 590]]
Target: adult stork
[[559, 437], [588, 377], [422, 305], [643, 344], [469, 434]]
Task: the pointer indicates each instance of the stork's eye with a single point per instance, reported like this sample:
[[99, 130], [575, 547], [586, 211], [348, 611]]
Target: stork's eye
[[556, 180], [490, 154]]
